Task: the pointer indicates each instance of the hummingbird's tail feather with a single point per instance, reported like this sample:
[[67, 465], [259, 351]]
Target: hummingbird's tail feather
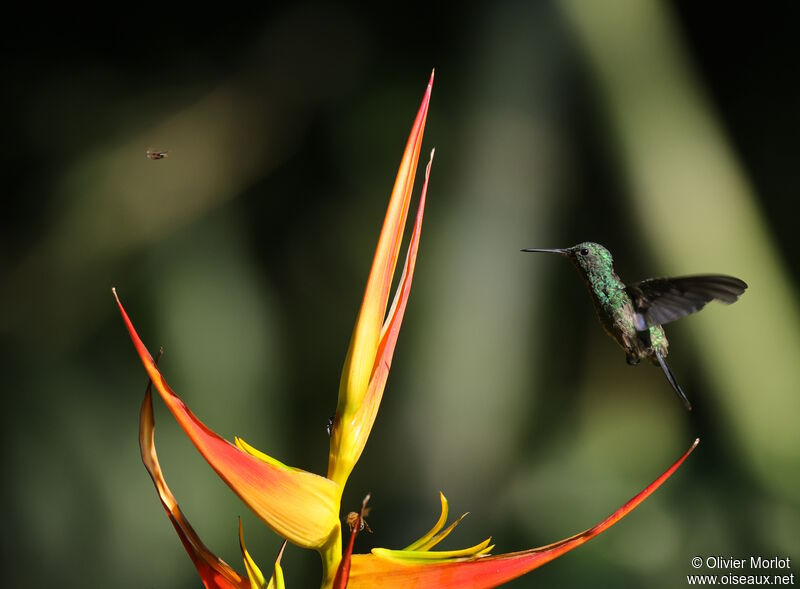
[[672, 381]]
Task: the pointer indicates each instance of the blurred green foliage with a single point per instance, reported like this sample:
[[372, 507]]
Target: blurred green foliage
[[652, 128]]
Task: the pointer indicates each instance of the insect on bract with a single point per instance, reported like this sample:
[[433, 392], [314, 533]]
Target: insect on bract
[[354, 519]]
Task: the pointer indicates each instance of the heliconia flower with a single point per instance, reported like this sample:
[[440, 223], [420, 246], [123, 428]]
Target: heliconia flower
[[303, 507], [417, 566], [372, 344], [300, 506], [214, 572]]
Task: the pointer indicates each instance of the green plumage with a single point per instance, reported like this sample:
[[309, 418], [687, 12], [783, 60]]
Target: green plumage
[[614, 305], [633, 315]]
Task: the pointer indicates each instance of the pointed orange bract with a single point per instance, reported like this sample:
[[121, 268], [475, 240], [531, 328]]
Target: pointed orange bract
[[215, 572], [369, 570], [360, 425], [372, 344], [300, 506], [364, 342]]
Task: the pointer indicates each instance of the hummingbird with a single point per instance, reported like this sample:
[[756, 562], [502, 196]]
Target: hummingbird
[[633, 315]]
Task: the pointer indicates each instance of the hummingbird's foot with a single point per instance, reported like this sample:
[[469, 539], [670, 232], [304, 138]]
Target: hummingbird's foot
[[632, 360]]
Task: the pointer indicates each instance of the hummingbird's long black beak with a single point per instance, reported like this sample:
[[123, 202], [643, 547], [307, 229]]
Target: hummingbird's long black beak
[[563, 252]]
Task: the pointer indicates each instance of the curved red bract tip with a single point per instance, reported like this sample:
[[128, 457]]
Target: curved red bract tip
[[367, 570]]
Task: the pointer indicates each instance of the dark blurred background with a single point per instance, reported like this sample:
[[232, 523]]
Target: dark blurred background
[[668, 132]]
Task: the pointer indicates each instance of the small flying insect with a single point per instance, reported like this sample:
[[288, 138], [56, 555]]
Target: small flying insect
[[153, 154]]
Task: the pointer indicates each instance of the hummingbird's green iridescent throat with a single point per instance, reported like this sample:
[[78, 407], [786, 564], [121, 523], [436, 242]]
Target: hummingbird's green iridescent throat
[[634, 314]]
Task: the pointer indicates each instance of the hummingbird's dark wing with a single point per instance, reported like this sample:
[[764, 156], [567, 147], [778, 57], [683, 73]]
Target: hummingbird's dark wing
[[661, 300]]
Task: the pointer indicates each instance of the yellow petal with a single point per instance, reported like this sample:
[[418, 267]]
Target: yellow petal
[[441, 535], [434, 555], [436, 527], [276, 581], [257, 580], [245, 447]]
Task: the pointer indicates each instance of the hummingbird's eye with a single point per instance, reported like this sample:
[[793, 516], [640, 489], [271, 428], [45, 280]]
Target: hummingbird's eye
[[584, 252]]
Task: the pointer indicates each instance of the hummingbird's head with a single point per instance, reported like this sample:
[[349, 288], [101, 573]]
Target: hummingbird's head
[[589, 257]]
